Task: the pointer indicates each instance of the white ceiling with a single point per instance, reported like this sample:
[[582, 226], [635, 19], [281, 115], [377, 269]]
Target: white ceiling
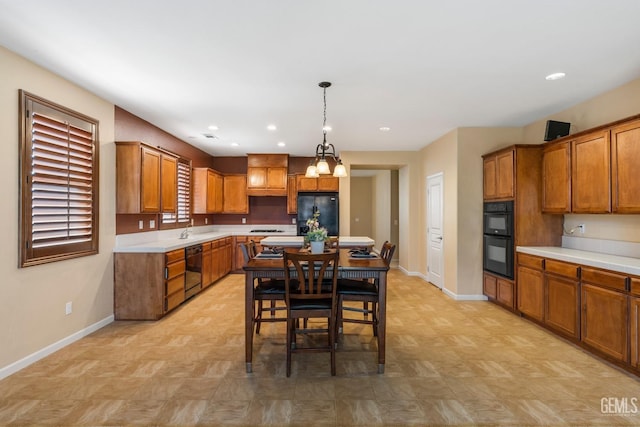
[[420, 67]]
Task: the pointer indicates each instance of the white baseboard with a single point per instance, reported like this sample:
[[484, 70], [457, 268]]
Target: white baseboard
[[41, 354]]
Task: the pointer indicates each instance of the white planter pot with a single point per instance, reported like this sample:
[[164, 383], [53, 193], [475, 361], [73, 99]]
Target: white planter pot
[[317, 247]]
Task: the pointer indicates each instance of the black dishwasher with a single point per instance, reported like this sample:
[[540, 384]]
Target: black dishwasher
[[193, 279]]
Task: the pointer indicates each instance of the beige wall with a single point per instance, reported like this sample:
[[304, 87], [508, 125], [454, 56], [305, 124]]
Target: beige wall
[[381, 197], [361, 206], [32, 300]]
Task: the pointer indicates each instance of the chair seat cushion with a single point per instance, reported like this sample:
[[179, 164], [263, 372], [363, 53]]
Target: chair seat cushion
[[356, 287], [318, 304], [270, 287]]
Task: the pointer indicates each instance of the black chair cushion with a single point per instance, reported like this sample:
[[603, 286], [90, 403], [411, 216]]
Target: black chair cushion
[[270, 287], [319, 304], [356, 287]]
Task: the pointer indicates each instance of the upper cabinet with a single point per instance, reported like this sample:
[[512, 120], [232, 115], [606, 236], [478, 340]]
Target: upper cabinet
[[207, 191], [556, 178], [235, 194], [267, 174], [625, 157], [292, 195], [499, 175], [322, 183], [146, 179], [594, 171], [590, 173]]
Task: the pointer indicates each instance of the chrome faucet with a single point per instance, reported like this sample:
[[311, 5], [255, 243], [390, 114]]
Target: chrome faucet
[[185, 233]]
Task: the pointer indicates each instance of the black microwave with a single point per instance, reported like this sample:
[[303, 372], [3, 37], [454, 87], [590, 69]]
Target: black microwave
[[498, 218]]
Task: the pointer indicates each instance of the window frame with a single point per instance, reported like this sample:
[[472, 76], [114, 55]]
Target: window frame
[[83, 240]]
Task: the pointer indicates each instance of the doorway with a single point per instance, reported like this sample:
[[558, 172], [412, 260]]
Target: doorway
[[435, 234]]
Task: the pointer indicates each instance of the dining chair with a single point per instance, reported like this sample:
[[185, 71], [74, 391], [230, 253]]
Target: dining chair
[[310, 293], [366, 292], [271, 290]]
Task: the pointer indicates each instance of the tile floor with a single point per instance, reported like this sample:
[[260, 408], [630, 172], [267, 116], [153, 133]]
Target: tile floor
[[448, 363]]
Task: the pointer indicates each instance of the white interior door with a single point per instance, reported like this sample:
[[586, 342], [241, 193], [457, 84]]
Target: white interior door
[[435, 261]]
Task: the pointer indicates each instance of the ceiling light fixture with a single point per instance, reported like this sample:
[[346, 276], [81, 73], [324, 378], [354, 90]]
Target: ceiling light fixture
[[281, 144], [555, 76], [272, 127], [319, 165], [385, 129]]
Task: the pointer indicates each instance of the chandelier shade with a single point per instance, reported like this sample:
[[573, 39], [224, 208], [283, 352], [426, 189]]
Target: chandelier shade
[[319, 165]]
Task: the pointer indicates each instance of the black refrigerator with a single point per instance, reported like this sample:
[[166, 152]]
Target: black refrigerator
[[327, 204]]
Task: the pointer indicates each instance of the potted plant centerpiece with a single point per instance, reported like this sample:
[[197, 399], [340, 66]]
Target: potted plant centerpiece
[[316, 235]]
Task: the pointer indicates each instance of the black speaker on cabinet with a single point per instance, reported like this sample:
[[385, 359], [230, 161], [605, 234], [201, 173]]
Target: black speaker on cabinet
[[556, 130]]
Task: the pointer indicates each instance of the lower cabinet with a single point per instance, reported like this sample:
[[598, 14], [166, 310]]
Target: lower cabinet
[[604, 321], [499, 289], [531, 292], [238, 258], [207, 265], [216, 260], [562, 299], [148, 285], [634, 332]]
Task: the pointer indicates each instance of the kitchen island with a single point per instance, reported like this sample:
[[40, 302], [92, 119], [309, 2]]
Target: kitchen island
[[298, 241]]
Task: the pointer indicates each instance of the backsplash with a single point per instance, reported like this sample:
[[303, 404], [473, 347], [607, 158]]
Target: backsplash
[[611, 247]]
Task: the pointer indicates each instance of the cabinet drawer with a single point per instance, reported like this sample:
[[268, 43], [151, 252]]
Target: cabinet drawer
[[531, 261], [174, 300], [604, 278], [175, 269], [206, 246], [635, 285], [561, 268], [174, 256], [174, 285]]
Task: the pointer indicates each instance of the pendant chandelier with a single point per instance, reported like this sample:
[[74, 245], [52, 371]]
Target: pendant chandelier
[[319, 165]]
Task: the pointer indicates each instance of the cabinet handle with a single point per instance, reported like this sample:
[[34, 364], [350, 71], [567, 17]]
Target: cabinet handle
[[166, 273]]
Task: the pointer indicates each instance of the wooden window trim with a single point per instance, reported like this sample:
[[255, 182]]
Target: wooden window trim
[[59, 182]]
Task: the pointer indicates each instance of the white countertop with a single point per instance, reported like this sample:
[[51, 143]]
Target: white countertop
[[298, 241], [617, 263]]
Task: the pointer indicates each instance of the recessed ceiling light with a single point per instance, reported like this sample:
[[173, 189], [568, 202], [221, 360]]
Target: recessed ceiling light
[[555, 76], [272, 127], [385, 129], [235, 144], [281, 144], [213, 127], [326, 128]]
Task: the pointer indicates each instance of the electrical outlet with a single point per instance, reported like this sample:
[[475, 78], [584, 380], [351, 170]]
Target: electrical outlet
[[68, 308], [152, 223], [582, 228], [206, 221], [244, 220], [293, 220], [141, 225]]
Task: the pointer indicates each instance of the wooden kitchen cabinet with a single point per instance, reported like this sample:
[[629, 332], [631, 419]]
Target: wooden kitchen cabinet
[[207, 191], [292, 195], [148, 285], [556, 178], [235, 195], [634, 331], [498, 177], [267, 174], [530, 292], [146, 179], [499, 289], [327, 183], [590, 173], [562, 297], [605, 323], [625, 158], [238, 258], [207, 265]]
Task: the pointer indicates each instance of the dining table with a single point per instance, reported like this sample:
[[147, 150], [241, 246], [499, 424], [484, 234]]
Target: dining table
[[350, 266]]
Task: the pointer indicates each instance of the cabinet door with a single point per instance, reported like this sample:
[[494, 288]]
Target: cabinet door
[[235, 198], [218, 204], [150, 181], [277, 179], [490, 286], [604, 321], [207, 266], [490, 178], [556, 178], [169, 180], [257, 177], [590, 174], [505, 176], [634, 312], [211, 191], [531, 292], [505, 292], [328, 183], [292, 195], [625, 158], [562, 311], [307, 184]]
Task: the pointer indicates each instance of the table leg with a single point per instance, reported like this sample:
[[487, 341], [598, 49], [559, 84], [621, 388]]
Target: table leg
[[382, 320], [248, 319]]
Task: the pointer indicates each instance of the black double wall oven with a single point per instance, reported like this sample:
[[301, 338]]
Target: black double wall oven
[[498, 238]]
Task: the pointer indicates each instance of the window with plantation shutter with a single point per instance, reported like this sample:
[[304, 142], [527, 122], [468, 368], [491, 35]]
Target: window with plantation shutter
[[59, 182]]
